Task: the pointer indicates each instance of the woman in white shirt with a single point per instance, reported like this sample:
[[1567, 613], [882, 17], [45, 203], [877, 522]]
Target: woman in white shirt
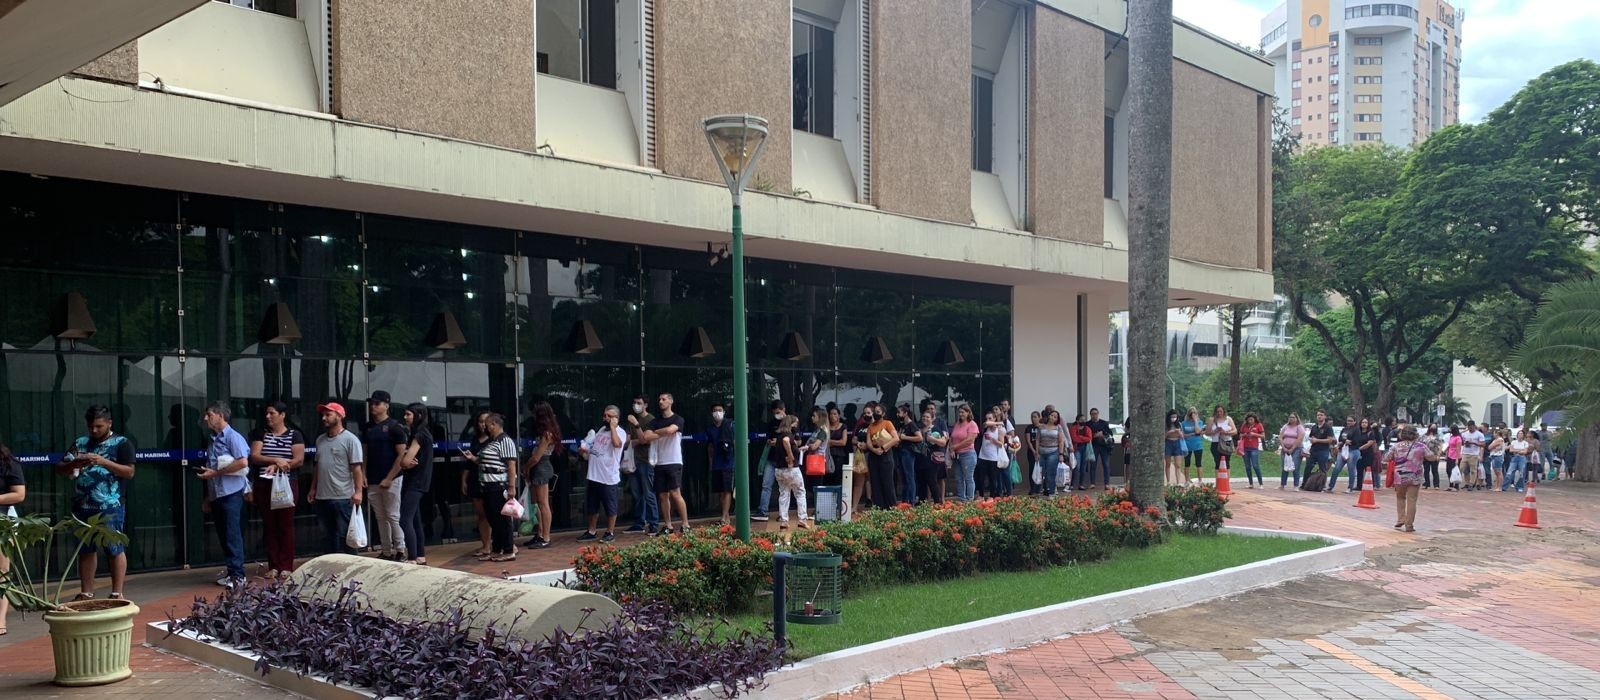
[[1221, 430], [1519, 461], [992, 454]]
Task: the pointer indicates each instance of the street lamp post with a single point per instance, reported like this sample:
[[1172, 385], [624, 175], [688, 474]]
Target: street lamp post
[[736, 141]]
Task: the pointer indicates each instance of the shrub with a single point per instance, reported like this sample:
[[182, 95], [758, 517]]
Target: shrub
[[647, 651], [711, 571], [1197, 509]]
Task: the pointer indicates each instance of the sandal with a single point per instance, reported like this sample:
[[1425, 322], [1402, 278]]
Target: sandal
[[82, 596], [503, 557]]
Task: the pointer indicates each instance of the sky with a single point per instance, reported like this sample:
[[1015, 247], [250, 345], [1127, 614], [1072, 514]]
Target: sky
[[1504, 43]]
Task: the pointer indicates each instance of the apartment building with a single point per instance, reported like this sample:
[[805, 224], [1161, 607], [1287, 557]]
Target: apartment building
[[1351, 71], [482, 203]]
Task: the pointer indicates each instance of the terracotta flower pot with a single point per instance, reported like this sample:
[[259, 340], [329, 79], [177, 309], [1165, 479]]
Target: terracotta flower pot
[[91, 640]]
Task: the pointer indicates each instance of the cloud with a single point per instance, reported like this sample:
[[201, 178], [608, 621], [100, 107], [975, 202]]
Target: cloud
[[1505, 43]]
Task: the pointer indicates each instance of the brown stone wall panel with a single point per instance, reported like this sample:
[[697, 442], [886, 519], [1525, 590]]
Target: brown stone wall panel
[[1066, 128], [1215, 152], [722, 57], [922, 108], [120, 65], [457, 68]]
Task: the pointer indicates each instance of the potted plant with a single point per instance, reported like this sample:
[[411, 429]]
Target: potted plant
[[91, 639]]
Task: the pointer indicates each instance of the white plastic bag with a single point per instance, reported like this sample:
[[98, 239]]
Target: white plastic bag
[[282, 492], [513, 509], [1063, 474], [626, 464], [355, 537], [1038, 474], [1455, 475]]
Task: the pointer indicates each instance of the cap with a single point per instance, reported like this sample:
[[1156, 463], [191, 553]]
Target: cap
[[331, 407], [379, 396]]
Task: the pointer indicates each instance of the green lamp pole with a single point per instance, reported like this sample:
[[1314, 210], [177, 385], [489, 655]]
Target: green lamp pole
[[736, 141]]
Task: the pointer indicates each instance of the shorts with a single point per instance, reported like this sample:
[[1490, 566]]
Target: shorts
[[543, 473], [1176, 448], [600, 498], [114, 519], [669, 477], [722, 481]]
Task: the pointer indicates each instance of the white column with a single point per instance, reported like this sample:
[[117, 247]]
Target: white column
[[1044, 350], [1097, 326]]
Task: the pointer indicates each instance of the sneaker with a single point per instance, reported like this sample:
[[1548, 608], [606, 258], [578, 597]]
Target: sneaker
[[587, 536], [224, 580], [759, 518], [652, 531], [541, 544], [663, 532], [534, 542], [608, 537], [636, 528]]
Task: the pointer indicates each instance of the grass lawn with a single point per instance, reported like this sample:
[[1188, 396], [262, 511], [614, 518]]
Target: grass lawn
[[893, 611]]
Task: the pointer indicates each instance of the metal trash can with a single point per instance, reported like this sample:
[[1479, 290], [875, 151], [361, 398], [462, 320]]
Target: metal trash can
[[813, 589]]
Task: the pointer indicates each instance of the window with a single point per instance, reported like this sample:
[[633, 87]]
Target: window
[[1295, 66], [1276, 34], [1296, 85], [1369, 117], [982, 123], [1315, 21], [1204, 350], [1296, 102], [1369, 41], [1296, 121], [277, 7], [1369, 80], [812, 70], [1369, 98], [1109, 161], [1296, 45], [577, 40], [1369, 60], [1368, 136], [1319, 59], [1379, 10]]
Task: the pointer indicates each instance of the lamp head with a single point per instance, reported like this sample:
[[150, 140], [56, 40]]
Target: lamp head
[[736, 141]]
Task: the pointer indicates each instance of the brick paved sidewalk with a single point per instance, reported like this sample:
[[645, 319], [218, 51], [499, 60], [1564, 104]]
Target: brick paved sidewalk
[[1468, 607]]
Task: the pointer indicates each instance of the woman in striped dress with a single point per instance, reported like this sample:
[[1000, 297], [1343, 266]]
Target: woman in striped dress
[[277, 448]]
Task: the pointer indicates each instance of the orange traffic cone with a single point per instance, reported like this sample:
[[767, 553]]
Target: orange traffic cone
[[1530, 511], [1366, 499], [1222, 481]]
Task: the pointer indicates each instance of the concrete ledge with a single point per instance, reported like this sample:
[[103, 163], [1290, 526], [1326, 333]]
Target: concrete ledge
[[243, 663], [849, 668], [545, 578]]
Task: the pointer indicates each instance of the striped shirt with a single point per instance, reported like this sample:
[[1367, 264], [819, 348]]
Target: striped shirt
[[276, 446], [494, 457]]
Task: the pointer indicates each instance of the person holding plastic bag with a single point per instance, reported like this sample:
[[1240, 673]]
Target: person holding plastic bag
[[337, 480], [497, 484], [277, 452]]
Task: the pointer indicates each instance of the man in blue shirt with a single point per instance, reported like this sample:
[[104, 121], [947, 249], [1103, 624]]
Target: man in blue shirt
[[99, 463], [719, 446], [227, 479]]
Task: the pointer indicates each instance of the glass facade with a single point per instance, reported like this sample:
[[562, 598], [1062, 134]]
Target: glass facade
[[178, 285]]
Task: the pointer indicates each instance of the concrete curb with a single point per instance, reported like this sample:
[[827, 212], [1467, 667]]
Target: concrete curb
[[243, 663], [850, 668], [545, 578]]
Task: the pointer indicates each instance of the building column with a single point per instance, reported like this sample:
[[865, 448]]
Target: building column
[[1045, 341]]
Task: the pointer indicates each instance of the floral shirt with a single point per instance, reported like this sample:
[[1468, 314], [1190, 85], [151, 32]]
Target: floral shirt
[[95, 488], [1408, 458]]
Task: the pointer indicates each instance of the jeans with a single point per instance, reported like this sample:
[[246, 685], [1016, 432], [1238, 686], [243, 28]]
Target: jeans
[[769, 479], [1002, 478], [411, 522], [966, 463], [226, 515], [1516, 473], [1430, 474], [908, 476], [1049, 461], [334, 514], [1339, 464], [1359, 472], [1291, 465], [386, 510], [1318, 460], [1252, 466], [1081, 475], [1102, 459], [1497, 465], [643, 486]]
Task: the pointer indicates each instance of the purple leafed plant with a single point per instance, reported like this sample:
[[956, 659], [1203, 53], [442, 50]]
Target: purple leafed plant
[[645, 652]]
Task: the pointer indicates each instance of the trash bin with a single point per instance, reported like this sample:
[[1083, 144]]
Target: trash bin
[[813, 589]]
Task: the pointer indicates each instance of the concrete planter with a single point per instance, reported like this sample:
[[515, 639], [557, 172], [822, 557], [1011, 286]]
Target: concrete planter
[[91, 640]]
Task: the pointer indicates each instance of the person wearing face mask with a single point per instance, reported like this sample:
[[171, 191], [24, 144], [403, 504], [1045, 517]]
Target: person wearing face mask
[[882, 438], [643, 482], [719, 452], [774, 461], [910, 449]]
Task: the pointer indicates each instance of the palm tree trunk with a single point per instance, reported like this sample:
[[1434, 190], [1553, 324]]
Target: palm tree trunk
[[1586, 459], [1150, 237]]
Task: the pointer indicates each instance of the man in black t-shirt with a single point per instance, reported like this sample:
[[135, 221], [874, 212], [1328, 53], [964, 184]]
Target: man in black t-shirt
[[1102, 447], [1321, 439], [384, 440]]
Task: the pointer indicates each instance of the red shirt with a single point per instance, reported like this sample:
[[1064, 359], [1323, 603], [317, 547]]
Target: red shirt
[[1081, 434], [1250, 436]]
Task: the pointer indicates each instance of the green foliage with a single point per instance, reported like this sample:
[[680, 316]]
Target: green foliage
[[36, 534], [1493, 327], [1271, 384], [1414, 389], [1196, 510], [1565, 334]]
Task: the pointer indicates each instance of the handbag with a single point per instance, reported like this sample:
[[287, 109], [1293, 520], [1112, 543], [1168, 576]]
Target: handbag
[[816, 464], [355, 536], [1225, 446], [282, 492]]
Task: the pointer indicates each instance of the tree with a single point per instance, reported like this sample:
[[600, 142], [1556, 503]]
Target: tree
[[1230, 316], [1489, 340], [1415, 389], [1565, 333], [1149, 236], [1272, 383]]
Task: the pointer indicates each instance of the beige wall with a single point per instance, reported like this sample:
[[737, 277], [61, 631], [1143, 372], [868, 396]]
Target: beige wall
[[1066, 131], [921, 108], [457, 68], [708, 64], [121, 65], [1216, 151]]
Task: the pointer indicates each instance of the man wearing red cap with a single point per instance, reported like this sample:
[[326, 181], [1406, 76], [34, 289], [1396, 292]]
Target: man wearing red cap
[[337, 480]]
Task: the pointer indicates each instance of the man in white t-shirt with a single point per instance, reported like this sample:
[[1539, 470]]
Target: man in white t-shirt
[[604, 451], [1472, 443], [665, 436]]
